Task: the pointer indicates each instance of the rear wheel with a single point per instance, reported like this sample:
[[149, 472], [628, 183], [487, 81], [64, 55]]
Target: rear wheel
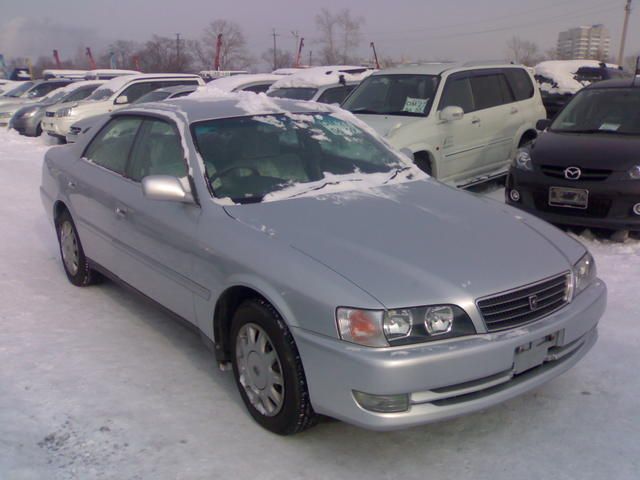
[[268, 369], [74, 261]]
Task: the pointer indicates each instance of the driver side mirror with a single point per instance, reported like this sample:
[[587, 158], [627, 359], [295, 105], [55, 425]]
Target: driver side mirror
[[451, 114], [166, 187], [543, 124], [122, 100]]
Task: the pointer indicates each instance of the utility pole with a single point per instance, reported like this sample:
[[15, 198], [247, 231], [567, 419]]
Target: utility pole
[[178, 67], [310, 58], [627, 13], [296, 35], [275, 61]]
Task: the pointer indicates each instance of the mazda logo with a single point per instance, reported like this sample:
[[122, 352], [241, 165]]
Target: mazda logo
[[533, 302], [572, 173]]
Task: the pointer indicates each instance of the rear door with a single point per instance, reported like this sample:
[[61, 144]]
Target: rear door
[[95, 184], [156, 239], [499, 115], [463, 141]]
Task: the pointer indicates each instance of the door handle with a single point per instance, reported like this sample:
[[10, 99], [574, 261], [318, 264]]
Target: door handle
[[475, 120], [71, 184], [514, 110], [121, 212]]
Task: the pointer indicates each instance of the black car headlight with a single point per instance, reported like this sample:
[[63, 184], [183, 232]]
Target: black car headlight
[[634, 172], [523, 160], [404, 326]]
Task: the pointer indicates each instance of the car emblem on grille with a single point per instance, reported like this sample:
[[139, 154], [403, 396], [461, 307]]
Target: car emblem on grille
[[533, 302], [572, 173]]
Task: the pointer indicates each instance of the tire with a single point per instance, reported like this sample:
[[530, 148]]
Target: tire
[[75, 263], [268, 370]]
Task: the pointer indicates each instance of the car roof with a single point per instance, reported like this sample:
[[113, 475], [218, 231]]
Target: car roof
[[176, 89], [243, 104], [616, 83], [438, 68]]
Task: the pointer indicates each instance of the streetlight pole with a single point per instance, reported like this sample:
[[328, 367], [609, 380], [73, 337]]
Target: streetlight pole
[[627, 13]]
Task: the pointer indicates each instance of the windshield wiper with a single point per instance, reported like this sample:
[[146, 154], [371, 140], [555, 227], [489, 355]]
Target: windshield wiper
[[365, 110], [397, 171]]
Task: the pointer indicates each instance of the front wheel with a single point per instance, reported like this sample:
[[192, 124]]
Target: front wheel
[[268, 369], [74, 261]]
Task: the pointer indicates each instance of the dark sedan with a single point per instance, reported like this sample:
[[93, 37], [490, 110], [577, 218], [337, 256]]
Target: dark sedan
[[584, 170]]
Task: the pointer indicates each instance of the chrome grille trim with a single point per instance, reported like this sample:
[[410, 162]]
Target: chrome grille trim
[[512, 308]]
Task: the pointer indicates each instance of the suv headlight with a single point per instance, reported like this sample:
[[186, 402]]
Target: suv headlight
[[523, 160], [584, 272], [383, 328], [64, 112], [634, 172]]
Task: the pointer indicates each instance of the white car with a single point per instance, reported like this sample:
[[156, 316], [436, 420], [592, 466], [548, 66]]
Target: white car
[[462, 123], [329, 84], [115, 94], [247, 82]]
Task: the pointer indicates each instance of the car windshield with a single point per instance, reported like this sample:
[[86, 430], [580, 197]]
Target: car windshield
[[155, 96], [54, 97], [19, 90], [294, 93], [101, 94], [405, 95], [606, 111], [247, 158]]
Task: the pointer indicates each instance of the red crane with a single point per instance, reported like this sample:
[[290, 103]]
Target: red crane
[[297, 63], [92, 62], [56, 57], [216, 61]]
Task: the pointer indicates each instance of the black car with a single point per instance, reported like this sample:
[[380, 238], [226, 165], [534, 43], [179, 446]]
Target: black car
[[584, 170]]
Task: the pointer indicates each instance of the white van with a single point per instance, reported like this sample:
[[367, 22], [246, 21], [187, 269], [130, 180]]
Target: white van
[[115, 94], [462, 123]]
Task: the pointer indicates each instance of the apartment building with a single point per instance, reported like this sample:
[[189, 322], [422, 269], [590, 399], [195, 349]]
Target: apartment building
[[588, 42]]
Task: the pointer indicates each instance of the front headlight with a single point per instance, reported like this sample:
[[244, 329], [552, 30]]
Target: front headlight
[[380, 328], [523, 160], [64, 112], [634, 172], [584, 272]]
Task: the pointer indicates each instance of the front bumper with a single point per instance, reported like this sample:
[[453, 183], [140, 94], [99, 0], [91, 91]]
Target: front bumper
[[448, 378], [57, 126], [610, 202]]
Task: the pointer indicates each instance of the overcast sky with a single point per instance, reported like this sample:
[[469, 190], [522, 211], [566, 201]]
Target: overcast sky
[[416, 29]]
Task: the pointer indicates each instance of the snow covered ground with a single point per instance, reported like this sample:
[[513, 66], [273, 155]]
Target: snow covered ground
[[96, 383]]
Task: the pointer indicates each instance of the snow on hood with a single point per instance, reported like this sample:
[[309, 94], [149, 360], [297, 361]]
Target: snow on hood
[[233, 82], [414, 243], [562, 73], [317, 77]]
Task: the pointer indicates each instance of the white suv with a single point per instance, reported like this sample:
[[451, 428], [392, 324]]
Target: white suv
[[114, 95], [462, 123]]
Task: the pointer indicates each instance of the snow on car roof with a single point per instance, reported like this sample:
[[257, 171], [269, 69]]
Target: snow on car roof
[[562, 74], [233, 82], [316, 77]]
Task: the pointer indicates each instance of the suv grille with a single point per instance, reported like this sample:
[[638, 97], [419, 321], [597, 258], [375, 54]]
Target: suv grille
[[587, 174], [524, 305]]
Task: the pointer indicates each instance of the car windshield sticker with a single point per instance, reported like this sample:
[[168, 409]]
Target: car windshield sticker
[[610, 127], [415, 105]]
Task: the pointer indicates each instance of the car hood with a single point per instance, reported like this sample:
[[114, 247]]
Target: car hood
[[386, 124], [600, 151], [416, 243]]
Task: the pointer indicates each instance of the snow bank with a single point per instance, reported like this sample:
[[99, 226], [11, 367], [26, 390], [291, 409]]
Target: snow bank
[[562, 74], [317, 77]]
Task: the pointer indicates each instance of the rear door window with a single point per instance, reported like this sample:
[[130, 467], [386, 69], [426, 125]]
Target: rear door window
[[490, 90], [520, 82], [111, 146]]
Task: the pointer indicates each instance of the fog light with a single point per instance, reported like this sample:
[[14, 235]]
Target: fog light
[[636, 209], [382, 403], [514, 195]]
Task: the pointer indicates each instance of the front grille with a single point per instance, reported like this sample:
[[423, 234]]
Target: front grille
[[516, 307], [586, 175], [597, 207], [50, 114]]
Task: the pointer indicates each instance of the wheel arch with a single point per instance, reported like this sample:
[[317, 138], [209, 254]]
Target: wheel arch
[[58, 208], [527, 136]]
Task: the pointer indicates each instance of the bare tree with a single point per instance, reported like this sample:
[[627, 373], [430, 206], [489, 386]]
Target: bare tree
[[123, 53], [340, 34], [284, 58], [160, 54], [523, 51], [233, 54]]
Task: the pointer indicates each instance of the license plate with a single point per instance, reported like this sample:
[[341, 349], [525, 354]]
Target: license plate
[[533, 354], [568, 197]]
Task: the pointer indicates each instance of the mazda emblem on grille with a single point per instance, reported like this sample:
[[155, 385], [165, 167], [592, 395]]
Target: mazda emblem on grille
[[572, 173], [533, 302]]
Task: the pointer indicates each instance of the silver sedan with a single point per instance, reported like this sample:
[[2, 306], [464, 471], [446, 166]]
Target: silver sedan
[[331, 274]]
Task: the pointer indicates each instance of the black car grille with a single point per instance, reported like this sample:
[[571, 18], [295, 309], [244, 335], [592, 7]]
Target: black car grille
[[524, 305], [50, 114], [597, 207], [587, 174]]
